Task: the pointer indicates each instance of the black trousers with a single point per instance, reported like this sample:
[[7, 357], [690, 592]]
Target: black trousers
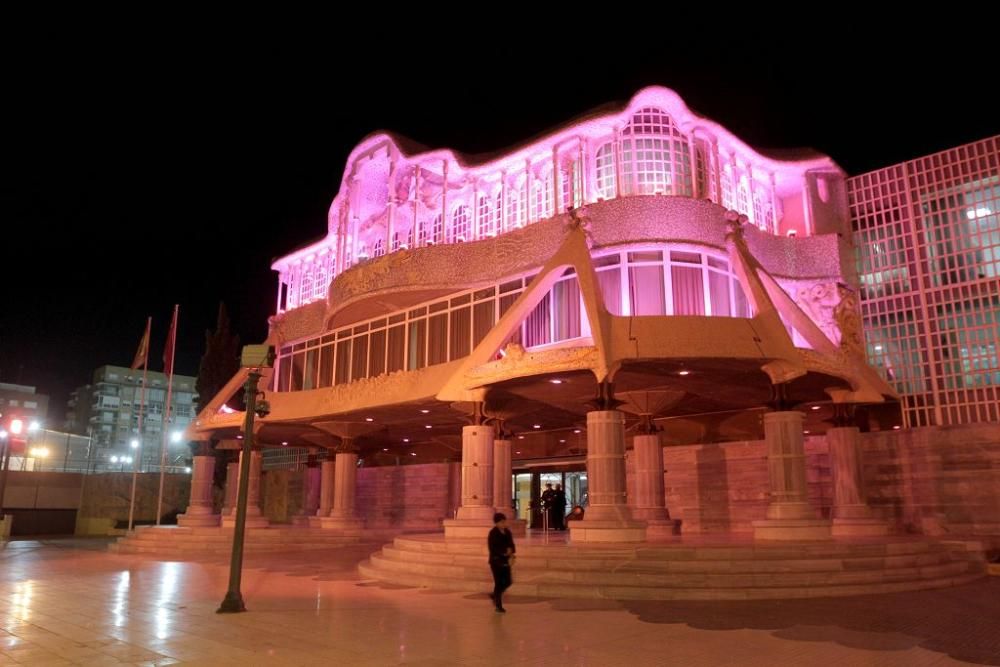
[[501, 580]]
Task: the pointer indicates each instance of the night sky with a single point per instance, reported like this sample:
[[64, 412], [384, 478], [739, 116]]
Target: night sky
[[135, 178]]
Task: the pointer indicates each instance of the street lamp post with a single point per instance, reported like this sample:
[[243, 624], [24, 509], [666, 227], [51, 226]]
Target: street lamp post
[[255, 357]]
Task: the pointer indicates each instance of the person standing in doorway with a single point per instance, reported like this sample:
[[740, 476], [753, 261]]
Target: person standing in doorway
[[501, 546], [558, 509], [548, 497]]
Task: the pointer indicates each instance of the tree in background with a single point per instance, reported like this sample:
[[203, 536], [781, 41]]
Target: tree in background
[[219, 364]]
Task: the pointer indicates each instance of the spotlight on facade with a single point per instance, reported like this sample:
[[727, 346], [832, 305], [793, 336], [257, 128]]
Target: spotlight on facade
[[134, 444], [385, 449]]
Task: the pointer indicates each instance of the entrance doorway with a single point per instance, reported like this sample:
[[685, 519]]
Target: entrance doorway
[[529, 484]]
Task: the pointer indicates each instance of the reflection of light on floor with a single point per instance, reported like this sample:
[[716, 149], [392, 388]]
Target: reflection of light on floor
[[121, 598], [21, 600], [168, 587]]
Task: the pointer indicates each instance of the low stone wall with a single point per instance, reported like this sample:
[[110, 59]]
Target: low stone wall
[[414, 497], [934, 480]]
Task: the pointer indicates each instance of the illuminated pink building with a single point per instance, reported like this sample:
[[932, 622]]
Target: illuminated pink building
[[563, 310]]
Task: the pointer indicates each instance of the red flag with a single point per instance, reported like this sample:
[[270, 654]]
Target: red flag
[[142, 354], [168, 351]]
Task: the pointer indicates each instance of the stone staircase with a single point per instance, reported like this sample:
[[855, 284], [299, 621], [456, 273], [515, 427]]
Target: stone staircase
[[680, 571], [191, 542]]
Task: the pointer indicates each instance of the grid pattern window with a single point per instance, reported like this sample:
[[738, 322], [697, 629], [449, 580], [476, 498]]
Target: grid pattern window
[[927, 244], [656, 158], [660, 281], [460, 224], [605, 168], [486, 219]]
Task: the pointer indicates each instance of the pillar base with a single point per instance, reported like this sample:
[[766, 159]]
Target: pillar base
[[517, 527], [302, 519], [792, 529], [660, 528], [596, 530], [252, 522], [6, 524], [782, 511], [346, 523], [315, 521], [467, 528], [867, 527], [195, 519]]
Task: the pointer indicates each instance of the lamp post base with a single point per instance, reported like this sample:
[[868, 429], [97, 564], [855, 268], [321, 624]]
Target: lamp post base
[[232, 604]]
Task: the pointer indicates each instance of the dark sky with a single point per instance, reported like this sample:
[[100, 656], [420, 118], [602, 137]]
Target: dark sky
[[135, 178]]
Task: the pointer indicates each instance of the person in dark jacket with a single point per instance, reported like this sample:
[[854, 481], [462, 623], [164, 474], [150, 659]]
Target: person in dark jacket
[[558, 515], [501, 545]]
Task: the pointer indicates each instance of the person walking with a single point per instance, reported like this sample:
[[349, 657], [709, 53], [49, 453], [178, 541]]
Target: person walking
[[501, 545]]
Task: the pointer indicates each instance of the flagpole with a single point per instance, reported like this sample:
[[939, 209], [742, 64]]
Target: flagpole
[[166, 414], [142, 439]]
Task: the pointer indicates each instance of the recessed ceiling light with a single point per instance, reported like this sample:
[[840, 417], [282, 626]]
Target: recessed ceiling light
[[896, 427], [562, 441], [805, 431], [517, 452], [815, 407], [239, 437], [683, 372], [576, 430], [406, 439], [520, 437], [385, 449], [537, 426], [284, 443], [424, 411], [556, 381], [413, 453], [428, 426]]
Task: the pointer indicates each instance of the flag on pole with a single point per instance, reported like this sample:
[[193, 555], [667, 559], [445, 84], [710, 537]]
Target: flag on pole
[[142, 354], [168, 351]]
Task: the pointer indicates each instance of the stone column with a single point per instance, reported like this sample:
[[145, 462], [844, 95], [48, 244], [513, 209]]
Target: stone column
[[851, 514], [310, 492], [502, 497], [608, 518], [254, 517], [789, 514], [342, 516], [327, 472], [201, 510], [650, 503], [232, 482], [475, 515]]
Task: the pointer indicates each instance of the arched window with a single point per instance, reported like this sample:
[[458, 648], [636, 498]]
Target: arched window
[[655, 155], [437, 230], [379, 249], [498, 213], [514, 208], [395, 241], [306, 285], [759, 208], [743, 198], [537, 201], [460, 224], [486, 222], [606, 171], [728, 201], [320, 281]]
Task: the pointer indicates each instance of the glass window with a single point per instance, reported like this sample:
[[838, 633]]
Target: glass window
[[688, 290], [566, 309], [718, 291], [343, 365], [326, 366], [536, 326], [396, 348], [437, 339], [359, 365], [376, 354], [646, 291]]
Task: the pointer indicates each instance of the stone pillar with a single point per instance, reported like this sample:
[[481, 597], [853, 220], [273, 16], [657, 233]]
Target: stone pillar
[[649, 503], [342, 516], [851, 514], [789, 514], [502, 497], [310, 493], [201, 510], [327, 472], [232, 488], [475, 516], [607, 518], [254, 517]]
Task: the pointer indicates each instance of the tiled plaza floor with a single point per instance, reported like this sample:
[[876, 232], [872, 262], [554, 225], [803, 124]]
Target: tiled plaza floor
[[66, 602]]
